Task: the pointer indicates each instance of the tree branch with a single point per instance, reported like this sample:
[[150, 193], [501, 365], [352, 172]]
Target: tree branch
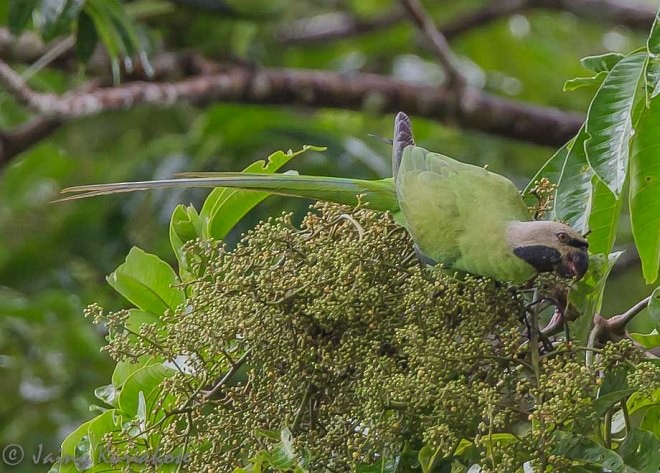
[[439, 45], [22, 138], [313, 89]]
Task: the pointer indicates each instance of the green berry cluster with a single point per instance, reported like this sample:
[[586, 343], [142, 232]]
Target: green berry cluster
[[331, 329]]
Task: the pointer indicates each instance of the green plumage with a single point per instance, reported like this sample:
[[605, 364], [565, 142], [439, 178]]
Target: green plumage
[[457, 214]]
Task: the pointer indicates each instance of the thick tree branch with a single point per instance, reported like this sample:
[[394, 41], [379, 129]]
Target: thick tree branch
[[314, 89]]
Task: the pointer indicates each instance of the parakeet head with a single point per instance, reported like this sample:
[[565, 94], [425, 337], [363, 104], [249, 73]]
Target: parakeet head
[[550, 246]]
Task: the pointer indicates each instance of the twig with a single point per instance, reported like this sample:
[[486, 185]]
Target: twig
[[231, 372], [438, 42], [619, 322], [482, 16], [333, 27], [614, 328]]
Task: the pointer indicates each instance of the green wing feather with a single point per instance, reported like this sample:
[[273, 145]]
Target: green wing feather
[[457, 214], [377, 195]]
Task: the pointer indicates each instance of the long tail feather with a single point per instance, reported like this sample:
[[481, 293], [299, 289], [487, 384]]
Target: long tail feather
[[378, 195]]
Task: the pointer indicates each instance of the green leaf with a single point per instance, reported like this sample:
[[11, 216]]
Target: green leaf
[[651, 420], [606, 401], [603, 217], [224, 208], [602, 62], [143, 382], [647, 340], [148, 282], [641, 451], [645, 190], [582, 449], [185, 225], [382, 466], [652, 67], [427, 457], [114, 27], [20, 12], [579, 82], [574, 188], [56, 16], [98, 428], [609, 122], [78, 446], [654, 305], [124, 369], [615, 380], [107, 394], [86, 37]]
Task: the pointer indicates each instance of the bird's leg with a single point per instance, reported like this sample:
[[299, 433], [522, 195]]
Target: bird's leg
[[557, 322]]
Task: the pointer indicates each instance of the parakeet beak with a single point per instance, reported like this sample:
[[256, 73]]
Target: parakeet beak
[[574, 264]]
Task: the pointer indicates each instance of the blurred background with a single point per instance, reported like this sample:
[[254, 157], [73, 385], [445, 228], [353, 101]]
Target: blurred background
[[54, 257]]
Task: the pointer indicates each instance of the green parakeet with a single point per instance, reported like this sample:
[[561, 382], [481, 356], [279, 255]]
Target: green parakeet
[[460, 216]]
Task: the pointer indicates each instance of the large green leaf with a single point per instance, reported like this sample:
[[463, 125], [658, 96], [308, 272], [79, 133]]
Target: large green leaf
[[144, 383], [224, 208], [573, 196], [603, 217], [652, 68], [582, 449], [148, 282], [609, 121], [641, 451], [124, 369], [645, 189]]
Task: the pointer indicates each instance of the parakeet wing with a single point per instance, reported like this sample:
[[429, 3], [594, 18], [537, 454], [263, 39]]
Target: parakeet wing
[[457, 213]]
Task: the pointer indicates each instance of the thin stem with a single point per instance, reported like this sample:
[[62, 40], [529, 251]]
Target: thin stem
[[439, 44], [231, 372]]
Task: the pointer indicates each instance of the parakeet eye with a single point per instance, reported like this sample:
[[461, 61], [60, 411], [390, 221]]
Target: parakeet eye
[[563, 237]]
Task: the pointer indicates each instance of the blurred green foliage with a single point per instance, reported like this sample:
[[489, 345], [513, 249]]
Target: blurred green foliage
[[53, 258]]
